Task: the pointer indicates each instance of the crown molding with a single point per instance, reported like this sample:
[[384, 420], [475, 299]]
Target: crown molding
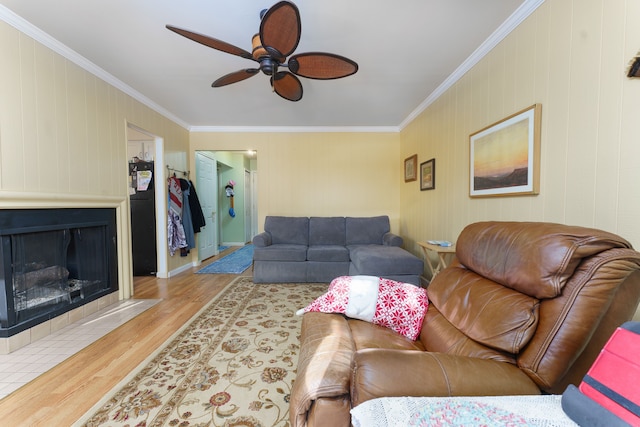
[[516, 18], [295, 129], [40, 36]]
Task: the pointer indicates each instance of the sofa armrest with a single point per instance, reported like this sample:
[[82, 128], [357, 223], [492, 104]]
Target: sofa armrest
[[390, 239], [394, 373], [324, 368], [263, 239]]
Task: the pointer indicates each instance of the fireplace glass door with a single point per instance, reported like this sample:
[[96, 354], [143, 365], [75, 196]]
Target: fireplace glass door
[[51, 267]]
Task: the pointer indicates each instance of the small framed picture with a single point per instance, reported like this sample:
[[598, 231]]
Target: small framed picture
[[428, 175], [411, 168]]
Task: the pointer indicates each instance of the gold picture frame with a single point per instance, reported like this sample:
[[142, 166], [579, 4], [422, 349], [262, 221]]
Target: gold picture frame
[[411, 168], [428, 175], [504, 157]]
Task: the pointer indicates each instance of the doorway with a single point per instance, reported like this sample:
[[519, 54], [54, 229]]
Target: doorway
[[230, 219], [146, 202]]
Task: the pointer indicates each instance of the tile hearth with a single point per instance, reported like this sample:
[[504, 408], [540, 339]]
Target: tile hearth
[[32, 360]]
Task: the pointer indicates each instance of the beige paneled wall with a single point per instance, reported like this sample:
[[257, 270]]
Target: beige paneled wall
[[572, 57], [319, 174], [63, 136]]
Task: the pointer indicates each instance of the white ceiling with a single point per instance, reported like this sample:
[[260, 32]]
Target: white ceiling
[[407, 51]]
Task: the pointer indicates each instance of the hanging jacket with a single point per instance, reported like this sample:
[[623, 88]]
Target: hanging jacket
[[197, 216], [186, 214]]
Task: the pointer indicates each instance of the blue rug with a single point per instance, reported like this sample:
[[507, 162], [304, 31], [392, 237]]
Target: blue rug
[[234, 263]]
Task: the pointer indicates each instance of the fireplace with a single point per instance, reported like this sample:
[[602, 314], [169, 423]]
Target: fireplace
[[53, 261]]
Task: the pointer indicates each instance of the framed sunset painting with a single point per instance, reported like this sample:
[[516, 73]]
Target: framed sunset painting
[[505, 156]]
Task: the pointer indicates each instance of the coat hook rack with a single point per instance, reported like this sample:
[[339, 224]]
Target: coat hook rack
[[173, 171]]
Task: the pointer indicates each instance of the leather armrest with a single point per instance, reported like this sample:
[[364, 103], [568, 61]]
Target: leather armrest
[[263, 239], [330, 411], [324, 364], [390, 239], [395, 373]]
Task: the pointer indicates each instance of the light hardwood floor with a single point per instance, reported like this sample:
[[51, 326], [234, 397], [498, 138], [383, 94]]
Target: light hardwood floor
[[62, 395]]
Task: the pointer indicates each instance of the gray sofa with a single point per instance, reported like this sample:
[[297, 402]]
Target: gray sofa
[[319, 249]]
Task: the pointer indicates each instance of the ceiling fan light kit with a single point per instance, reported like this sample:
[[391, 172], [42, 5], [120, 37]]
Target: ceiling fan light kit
[[258, 50], [278, 38]]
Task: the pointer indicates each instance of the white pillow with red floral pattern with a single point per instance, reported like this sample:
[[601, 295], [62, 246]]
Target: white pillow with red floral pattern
[[396, 305]]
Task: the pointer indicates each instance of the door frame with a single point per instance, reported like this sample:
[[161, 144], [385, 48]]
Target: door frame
[[162, 251], [254, 203], [248, 212]]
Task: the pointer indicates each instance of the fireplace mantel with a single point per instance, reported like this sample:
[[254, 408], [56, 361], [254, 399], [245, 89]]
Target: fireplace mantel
[[40, 200], [32, 199]]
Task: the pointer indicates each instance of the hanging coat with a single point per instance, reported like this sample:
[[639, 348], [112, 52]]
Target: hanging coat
[[197, 216], [186, 214]]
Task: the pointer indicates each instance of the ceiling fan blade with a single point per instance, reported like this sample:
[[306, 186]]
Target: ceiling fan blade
[[235, 77], [322, 66], [211, 42], [287, 85], [280, 29]]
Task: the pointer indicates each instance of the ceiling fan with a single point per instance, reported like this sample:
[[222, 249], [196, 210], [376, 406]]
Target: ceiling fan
[[279, 35]]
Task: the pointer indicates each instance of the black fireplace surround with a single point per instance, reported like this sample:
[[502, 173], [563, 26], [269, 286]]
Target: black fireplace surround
[[53, 261]]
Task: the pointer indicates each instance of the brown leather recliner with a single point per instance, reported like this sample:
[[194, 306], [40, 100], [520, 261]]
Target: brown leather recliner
[[524, 308]]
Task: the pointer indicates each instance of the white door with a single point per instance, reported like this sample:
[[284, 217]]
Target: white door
[[206, 187]]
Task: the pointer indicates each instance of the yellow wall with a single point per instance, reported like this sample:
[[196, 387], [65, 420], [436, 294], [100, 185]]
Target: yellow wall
[[63, 136], [572, 57], [319, 174]]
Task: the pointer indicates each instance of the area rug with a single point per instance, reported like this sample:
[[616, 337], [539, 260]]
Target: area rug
[[234, 263], [233, 364]]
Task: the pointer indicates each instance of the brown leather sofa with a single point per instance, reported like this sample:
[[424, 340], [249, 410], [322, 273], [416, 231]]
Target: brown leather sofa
[[523, 309]]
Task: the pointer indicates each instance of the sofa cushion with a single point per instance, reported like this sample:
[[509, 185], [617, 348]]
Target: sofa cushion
[[483, 310], [384, 261], [328, 253], [287, 230], [280, 252], [366, 231], [327, 231], [395, 305], [534, 258]]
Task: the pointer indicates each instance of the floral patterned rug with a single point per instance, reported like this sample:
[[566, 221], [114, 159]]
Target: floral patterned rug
[[232, 365]]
